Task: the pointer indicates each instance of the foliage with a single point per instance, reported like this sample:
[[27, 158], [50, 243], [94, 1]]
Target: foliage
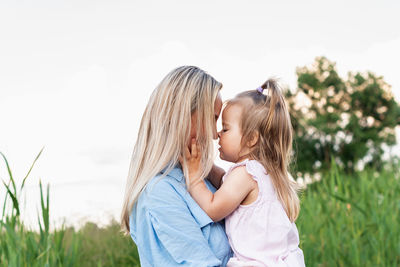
[[351, 221], [20, 247], [344, 221], [90, 246], [349, 119], [106, 246]]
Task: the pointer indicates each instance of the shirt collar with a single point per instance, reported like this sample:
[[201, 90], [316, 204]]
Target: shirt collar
[[176, 172]]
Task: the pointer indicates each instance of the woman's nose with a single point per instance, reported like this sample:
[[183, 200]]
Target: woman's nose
[[216, 134]]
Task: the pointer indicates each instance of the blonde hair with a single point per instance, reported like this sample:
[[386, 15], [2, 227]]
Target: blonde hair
[[165, 130], [266, 117]]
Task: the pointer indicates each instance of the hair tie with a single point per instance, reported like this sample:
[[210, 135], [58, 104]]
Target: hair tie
[[260, 89]]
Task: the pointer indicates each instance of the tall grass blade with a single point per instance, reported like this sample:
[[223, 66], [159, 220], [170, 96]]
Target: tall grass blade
[[45, 207], [11, 180], [13, 198], [30, 169], [9, 171]]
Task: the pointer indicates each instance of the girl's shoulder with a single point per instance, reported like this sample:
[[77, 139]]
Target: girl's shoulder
[[252, 167], [258, 172]]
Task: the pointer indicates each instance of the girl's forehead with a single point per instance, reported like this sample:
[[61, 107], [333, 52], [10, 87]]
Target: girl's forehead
[[232, 112]]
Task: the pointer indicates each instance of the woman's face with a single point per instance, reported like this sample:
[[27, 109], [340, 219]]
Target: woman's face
[[217, 112]]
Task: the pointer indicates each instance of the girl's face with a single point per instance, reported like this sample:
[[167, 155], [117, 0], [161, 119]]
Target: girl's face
[[230, 136]]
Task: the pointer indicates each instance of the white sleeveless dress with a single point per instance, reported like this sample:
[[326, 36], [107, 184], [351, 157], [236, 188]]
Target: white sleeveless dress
[[260, 233]]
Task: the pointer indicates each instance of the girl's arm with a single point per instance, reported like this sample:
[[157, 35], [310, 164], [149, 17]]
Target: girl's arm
[[237, 185], [227, 198]]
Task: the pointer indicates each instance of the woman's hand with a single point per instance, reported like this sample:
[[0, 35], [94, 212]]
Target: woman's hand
[[193, 163]]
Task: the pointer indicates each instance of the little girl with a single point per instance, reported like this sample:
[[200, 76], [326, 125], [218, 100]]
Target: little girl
[[257, 198]]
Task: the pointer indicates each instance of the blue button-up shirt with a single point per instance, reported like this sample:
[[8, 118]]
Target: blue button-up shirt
[[170, 229]]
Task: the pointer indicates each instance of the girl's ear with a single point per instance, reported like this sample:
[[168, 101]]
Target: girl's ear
[[254, 139]]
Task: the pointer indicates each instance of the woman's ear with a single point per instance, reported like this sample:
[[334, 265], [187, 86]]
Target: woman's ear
[[254, 139]]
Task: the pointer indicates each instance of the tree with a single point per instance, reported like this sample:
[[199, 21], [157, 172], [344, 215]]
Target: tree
[[349, 119]]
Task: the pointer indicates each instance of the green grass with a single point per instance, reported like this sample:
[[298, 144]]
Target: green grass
[[88, 246], [351, 220], [345, 220], [21, 247], [106, 246]]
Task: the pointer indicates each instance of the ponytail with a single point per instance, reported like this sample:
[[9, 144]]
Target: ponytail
[[275, 99], [269, 118], [279, 133]]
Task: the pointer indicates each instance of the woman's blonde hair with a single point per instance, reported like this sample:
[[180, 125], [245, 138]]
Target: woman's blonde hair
[[267, 129], [165, 130]]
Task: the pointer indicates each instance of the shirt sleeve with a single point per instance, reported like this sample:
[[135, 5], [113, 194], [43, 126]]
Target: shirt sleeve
[[178, 232]]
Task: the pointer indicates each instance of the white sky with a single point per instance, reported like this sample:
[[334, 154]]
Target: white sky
[[75, 76]]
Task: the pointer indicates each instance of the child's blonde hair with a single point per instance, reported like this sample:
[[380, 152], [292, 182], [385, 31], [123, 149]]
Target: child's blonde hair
[[267, 129], [165, 130]]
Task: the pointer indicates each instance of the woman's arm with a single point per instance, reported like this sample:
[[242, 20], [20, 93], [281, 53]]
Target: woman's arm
[[215, 176], [171, 235]]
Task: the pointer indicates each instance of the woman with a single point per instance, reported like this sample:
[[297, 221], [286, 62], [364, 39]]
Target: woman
[[167, 225]]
